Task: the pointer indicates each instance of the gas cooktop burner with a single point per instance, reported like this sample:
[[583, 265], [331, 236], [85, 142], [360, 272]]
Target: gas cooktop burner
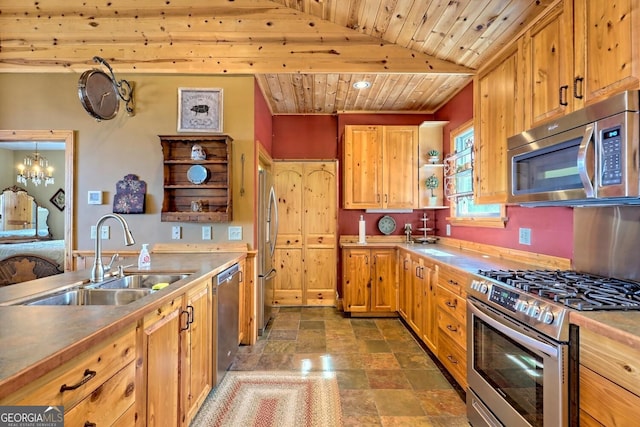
[[581, 291]]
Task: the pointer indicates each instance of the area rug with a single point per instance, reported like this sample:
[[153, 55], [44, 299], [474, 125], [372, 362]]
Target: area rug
[[272, 399]]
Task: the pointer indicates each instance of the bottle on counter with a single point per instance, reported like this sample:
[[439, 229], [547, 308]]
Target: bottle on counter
[[144, 259]]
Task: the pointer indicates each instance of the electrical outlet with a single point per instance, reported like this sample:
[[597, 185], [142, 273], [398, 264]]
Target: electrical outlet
[[176, 232], [206, 232], [448, 230], [235, 233], [524, 237], [94, 232], [104, 232]]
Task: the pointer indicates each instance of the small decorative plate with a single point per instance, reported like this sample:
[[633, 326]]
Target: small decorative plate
[[197, 174], [387, 225]]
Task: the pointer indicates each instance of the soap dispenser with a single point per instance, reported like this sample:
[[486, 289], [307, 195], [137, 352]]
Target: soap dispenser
[[144, 259]]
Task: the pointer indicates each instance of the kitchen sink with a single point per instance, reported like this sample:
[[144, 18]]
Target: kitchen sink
[[137, 281], [84, 296]]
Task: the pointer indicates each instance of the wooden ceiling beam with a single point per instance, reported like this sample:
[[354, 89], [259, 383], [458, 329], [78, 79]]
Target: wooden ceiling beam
[[239, 37]]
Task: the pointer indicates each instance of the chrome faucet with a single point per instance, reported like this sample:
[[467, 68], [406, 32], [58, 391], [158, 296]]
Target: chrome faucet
[[97, 272]]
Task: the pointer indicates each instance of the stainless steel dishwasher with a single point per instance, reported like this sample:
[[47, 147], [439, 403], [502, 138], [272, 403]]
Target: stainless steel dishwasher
[[227, 322]]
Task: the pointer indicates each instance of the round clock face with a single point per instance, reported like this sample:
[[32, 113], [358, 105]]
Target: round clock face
[[98, 94], [387, 225]]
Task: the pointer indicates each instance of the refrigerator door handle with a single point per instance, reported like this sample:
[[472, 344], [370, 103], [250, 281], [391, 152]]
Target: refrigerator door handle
[[270, 275], [272, 213]]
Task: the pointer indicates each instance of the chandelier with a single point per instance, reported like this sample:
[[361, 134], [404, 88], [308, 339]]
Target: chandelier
[[35, 169]]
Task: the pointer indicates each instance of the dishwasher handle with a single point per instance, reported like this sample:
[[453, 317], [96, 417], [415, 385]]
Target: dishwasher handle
[[227, 275]]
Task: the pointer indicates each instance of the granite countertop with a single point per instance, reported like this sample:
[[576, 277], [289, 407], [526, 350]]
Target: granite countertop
[[622, 326], [37, 339], [466, 260]]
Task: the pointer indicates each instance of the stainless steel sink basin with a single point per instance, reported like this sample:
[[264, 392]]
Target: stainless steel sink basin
[[92, 297], [137, 281]]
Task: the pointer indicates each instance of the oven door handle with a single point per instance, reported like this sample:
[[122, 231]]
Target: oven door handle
[[515, 335]]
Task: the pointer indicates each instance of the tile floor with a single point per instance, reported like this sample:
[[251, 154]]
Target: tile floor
[[385, 377]]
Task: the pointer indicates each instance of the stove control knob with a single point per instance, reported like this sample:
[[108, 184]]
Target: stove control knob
[[547, 317], [522, 306], [535, 311], [483, 288]]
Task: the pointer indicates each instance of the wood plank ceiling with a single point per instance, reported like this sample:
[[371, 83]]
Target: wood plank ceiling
[[305, 54]]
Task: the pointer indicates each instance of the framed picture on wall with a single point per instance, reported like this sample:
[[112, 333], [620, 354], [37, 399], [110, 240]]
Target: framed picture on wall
[[199, 110], [58, 199]]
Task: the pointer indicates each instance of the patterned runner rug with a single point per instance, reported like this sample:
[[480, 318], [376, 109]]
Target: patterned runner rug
[[272, 399]]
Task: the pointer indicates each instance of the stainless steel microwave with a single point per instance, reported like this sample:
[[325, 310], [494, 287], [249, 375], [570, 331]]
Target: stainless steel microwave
[[588, 157]]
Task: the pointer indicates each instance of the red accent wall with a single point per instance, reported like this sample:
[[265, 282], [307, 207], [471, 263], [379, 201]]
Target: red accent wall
[[320, 137], [305, 137], [263, 121]]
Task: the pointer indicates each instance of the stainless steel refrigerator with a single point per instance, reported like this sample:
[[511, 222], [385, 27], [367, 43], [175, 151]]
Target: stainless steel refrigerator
[[267, 234]]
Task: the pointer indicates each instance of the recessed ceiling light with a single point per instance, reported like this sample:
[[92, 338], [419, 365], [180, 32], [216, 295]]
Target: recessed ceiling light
[[361, 85]]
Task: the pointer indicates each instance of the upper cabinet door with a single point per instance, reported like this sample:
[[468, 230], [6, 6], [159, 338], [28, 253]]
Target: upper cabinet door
[[400, 167], [362, 167], [380, 167], [497, 116], [607, 52], [547, 52]]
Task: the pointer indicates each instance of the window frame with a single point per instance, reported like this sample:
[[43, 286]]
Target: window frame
[[471, 221]]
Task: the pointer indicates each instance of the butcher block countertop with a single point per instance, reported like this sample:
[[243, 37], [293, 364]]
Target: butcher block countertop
[[36, 339]]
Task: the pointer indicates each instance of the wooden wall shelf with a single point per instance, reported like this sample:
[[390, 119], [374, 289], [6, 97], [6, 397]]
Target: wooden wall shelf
[[214, 193]]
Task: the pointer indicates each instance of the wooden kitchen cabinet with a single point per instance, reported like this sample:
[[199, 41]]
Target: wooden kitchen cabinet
[[577, 54], [177, 353], [105, 380], [197, 363], [380, 167], [547, 66], [369, 280], [405, 279], [498, 115], [207, 181], [451, 321], [159, 380], [609, 390], [305, 257]]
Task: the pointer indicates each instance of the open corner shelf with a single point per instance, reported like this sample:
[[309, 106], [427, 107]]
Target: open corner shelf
[[214, 193]]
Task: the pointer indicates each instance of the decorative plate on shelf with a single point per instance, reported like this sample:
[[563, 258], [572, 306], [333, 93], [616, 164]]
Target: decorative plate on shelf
[[387, 225], [197, 174]]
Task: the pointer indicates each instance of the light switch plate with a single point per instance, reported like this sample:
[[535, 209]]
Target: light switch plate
[[524, 236], [448, 231], [176, 232], [94, 232], [104, 232], [235, 233], [206, 232]]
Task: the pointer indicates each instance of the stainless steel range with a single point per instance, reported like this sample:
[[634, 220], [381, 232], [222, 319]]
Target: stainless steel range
[[518, 346]]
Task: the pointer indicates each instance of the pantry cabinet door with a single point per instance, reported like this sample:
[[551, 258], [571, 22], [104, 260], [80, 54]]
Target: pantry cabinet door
[[288, 254], [320, 221]]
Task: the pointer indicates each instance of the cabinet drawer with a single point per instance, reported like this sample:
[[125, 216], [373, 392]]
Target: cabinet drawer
[[453, 279], [454, 358], [606, 402], [87, 371], [453, 304], [611, 359], [455, 329], [107, 403]]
